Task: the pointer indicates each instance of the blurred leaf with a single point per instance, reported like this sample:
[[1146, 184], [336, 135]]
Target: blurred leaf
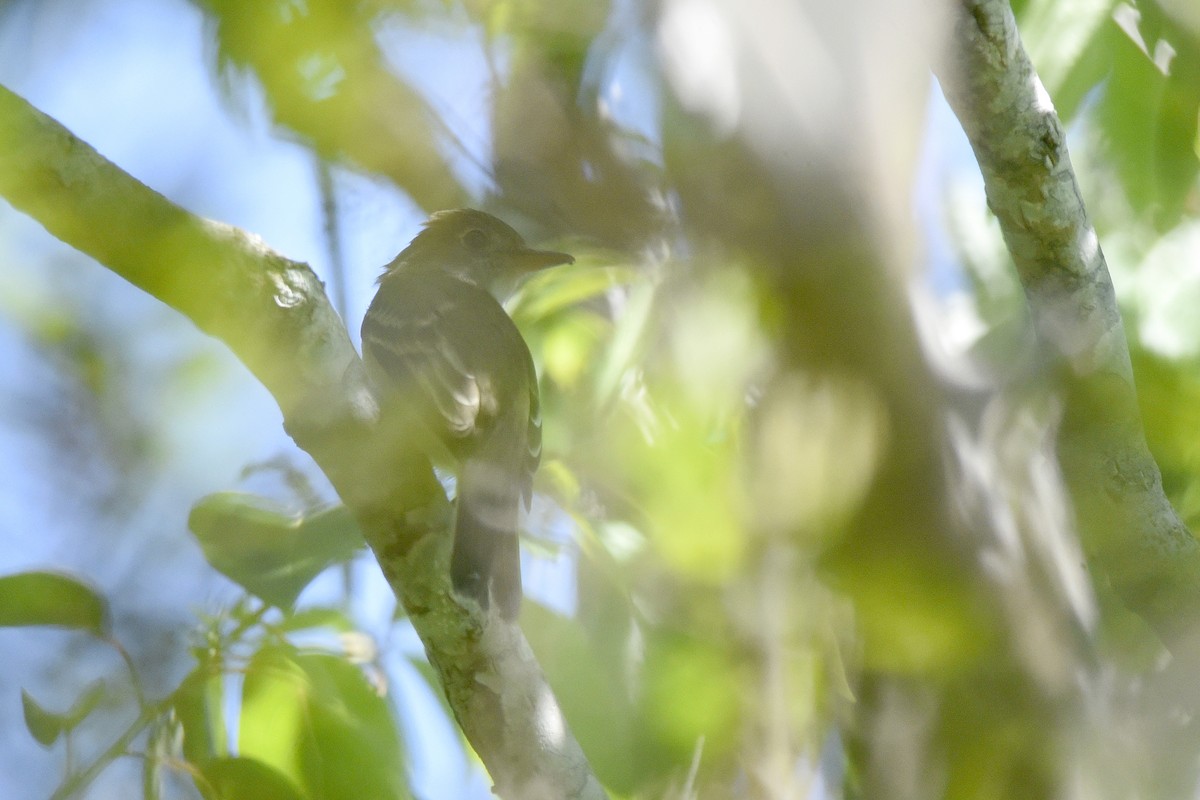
[[325, 78], [45, 726], [51, 598], [912, 618], [689, 485], [628, 336], [309, 618], [198, 703], [271, 554], [317, 720], [815, 447], [556, 150], [243, 779], [692, 693], [1149, 115], [568, 348], [1169, 398], [556, 478], [552, 290], [1066, 42]]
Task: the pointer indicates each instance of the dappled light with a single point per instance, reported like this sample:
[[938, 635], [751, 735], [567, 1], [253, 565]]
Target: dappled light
[[830, 364]]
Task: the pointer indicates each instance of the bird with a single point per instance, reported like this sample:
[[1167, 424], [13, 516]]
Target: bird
[[438, 344]]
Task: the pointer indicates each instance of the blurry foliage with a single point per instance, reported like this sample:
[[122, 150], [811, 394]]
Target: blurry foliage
[[1134, 70], [316, 719], [1169, 395], [326, 81], [1149, 115], [759, 577], [312, 721], [271, 553]]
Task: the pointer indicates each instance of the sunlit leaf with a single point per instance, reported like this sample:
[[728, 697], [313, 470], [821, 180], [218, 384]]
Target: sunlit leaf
[[627, 338], [692, 694], [52, 598], [1149, 118], [568, 348], [912, 619], [816, 445], [317, 720], [557, 478], [198, 705], [687, 478], [244, 778], [553, 290], [308, 618], [270, 553]]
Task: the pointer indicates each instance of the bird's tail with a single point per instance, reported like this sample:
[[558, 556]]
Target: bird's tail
[[486, 561]]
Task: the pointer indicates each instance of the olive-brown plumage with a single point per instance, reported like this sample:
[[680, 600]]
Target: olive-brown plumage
[[438, 344]]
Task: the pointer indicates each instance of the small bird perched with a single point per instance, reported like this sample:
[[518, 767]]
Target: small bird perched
[[437, 343]]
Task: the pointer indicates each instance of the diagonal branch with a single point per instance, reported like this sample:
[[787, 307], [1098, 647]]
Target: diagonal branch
[[1132, 535], [274, 316]]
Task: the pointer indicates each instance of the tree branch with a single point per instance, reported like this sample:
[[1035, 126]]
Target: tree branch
[[274, 316], [1132, 534]]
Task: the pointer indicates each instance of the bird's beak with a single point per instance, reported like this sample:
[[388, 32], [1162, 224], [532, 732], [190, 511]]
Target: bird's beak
[[526, 260]]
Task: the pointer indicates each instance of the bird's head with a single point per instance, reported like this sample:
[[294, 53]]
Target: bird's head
[[474, 247]]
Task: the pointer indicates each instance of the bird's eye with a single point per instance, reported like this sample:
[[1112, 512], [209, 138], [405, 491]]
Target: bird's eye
[[474, 239]]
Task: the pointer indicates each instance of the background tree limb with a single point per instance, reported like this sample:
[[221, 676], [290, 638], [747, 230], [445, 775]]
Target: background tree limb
[[1131, 533]]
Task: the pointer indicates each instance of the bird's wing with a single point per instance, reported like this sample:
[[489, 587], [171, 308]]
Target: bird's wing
[[449, 348]]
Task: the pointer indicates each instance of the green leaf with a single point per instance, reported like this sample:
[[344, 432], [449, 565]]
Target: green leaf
[[268, 552], [51, 598], [309, 618], [244, 778], [567, 349], [553, 290], [1148, 115], [46, 726], [198, 704], [626, 342], [691, 691], [316, 719], [940, 628]]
